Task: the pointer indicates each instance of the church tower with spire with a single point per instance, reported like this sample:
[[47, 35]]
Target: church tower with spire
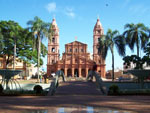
[[97, 33], [53, 48]]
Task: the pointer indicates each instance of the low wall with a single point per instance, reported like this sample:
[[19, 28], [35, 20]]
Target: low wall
[[127, 85]]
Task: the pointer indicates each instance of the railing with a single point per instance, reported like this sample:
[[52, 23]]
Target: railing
[[99, 82], [53, 86], [55, 82]]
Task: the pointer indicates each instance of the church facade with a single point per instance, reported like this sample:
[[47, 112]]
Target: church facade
[[75, 61]]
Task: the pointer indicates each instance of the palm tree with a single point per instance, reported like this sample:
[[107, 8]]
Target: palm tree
[[107, 42], [40, 30], [136, 34]]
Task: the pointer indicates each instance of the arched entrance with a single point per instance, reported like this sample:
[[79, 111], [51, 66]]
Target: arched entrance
[[69, 73], [76, 73], [83, 73]]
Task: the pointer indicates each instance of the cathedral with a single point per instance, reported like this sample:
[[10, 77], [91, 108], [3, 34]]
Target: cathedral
[[75, 61]]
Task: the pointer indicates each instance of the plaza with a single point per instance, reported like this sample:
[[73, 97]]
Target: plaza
[[79, 102], [67, 56]]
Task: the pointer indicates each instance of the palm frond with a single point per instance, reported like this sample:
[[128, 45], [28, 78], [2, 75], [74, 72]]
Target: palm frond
[[129, 26], [120, 44], [102, 48]]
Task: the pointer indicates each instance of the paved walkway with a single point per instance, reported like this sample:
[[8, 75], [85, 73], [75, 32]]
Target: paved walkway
[[138, 104], [77, 88], [83, 98]]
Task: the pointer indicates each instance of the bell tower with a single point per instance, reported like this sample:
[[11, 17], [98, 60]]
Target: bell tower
[[97, 33], [53, 48]]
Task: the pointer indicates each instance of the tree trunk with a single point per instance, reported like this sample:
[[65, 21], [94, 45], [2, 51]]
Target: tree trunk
[[138, 49], [137, 44], [113, 66], [7, 61], [14, 60], [39, 51]]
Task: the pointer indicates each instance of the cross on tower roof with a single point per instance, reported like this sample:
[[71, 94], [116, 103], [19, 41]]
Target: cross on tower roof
[[54, 16], [76, 38], [98, 16]]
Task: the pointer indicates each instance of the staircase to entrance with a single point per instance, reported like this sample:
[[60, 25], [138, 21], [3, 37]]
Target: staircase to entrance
[[77, 87]]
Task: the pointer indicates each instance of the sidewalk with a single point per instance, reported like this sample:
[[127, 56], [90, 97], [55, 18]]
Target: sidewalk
[[139, 104], [75, 94]]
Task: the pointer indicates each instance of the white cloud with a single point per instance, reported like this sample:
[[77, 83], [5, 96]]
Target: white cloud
[[69, 12], [51, 7]]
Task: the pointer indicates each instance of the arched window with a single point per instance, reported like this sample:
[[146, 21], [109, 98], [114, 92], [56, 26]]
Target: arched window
[[76, 50], [100, 61], [70, 50], [53, 39], [82, 50], [53, 49], [53, 61], [76, 61]]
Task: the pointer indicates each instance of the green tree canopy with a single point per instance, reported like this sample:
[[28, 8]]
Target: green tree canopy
[[136, 34], [147, 50], [11, 33], [138, 61]]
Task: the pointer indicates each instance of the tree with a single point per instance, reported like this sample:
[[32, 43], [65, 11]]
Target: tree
[[11, 33], [146, 58], [40, 30], [14, 33], [138, 61], [1, 41], [147, 50], [136, 34], [108, 41], [139, 64], [24, 43]]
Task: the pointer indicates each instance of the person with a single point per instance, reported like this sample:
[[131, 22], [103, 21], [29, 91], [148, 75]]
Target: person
[[94, 67], [40, 78], [45, 77]]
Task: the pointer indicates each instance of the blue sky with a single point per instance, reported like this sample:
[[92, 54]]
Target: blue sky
[[78, 17]]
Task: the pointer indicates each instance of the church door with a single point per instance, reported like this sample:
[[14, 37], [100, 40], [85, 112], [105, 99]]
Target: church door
[[69, 73], [76, 73]]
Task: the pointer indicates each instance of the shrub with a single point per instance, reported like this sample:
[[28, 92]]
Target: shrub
[[1, 88], [38, 89], [113, 90]]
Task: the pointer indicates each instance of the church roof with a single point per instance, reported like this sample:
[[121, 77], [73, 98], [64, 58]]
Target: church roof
[[76, 43], [98, 24], [54, 24]]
